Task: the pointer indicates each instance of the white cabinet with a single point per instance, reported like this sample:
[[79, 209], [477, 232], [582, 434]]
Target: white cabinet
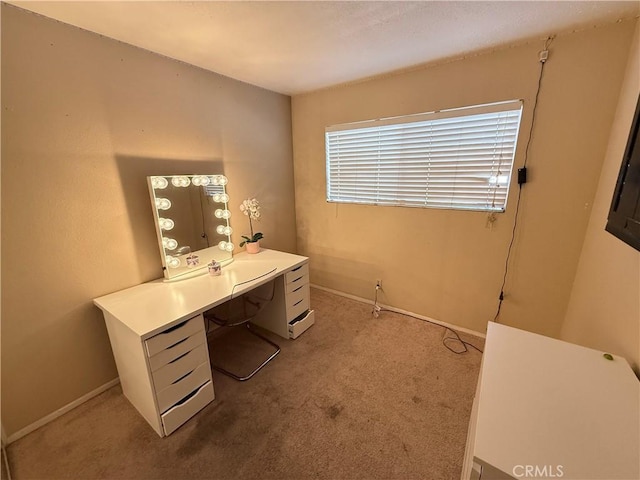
[[167, 376], [288, 314], [550, 409], [180, 373], [297, 292]]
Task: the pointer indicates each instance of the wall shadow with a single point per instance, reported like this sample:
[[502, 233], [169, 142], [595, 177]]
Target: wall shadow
[[133, 173]]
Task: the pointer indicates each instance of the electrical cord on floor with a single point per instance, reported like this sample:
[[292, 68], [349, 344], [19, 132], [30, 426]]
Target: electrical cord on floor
[[445, 339], [456, 338]]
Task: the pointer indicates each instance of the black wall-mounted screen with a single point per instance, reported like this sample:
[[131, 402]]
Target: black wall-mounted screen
[[624, 215]]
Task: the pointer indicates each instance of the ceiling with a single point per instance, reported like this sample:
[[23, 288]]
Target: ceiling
[[300, 46]]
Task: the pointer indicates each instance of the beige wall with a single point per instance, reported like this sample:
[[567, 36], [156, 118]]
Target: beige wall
[[604, 309], [448, 265], [84, 121]]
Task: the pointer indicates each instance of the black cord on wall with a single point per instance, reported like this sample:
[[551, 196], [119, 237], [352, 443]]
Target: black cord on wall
[[543, 56]]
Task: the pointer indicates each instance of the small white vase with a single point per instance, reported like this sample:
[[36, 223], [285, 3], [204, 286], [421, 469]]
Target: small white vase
[[253, 247]]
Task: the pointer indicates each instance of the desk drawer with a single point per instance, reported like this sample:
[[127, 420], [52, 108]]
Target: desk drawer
[[170, 354], [187, 408], [174, 335], [297, 302], [168, 397], [294, 297], [300, 324], [176, 369], [296, 285], [297, 274]]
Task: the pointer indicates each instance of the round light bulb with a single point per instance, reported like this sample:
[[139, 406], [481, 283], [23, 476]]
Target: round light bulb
[[222, 180], [218, 213], [216, 197], [166, 223], [226, 214], [180, 181], [229, 247], [222, 245], [163, 203], [159, 183], [228, 231], [172, 262], [220, 229], [224, 198], [169, 243]]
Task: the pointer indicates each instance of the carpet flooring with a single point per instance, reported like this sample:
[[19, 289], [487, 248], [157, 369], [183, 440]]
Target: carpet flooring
[[354, 397]]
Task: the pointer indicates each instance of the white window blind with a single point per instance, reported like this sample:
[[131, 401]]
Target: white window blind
[[460, 158]]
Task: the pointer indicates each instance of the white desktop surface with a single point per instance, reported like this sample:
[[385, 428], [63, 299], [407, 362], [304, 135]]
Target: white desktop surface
[[547, 402], [151, 307]]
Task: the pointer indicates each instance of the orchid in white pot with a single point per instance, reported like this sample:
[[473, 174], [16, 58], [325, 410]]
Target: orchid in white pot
[[251, 208]]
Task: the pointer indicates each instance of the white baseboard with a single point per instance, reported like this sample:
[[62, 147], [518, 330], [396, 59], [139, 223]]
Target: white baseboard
[[61, 411], [404, 312]]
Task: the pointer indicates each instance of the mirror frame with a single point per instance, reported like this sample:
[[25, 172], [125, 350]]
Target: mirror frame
[[176, 265]]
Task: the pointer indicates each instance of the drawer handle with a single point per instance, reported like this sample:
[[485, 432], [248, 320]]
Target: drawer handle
[[181, 356], [183, 377], [299, 318], [177, 343], [294, 291], [297, 279], [298, 302], [297, 268], [175, 327], [192, 394]]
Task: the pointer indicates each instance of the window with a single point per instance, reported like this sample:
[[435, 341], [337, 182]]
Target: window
[[460, 158]]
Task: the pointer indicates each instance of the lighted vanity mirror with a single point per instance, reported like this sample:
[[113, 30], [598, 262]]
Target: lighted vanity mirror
[[192, 222]]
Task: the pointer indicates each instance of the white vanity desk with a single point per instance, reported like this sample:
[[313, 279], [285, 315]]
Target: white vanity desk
[[157, 331]]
